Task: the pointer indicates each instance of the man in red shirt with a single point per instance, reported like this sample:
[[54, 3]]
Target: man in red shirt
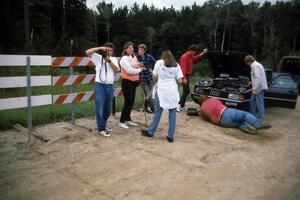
[[186, 64], [215, 111]]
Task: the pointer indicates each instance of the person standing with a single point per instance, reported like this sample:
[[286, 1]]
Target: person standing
[[168, 72], [106, 67], [130, 68], [259, 85], [186, 64], [146, 76]]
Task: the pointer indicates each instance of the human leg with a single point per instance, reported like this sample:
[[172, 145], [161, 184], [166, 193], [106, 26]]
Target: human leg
[[252, 106], [156, 117], [99, 105], [108, 102], [172, 122], [148, 102], [245, 120], [185, 93], [131, 100], [126, 106], [260, 106]]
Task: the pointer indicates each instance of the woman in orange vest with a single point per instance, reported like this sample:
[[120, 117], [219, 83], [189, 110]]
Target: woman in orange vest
[[130, 68]]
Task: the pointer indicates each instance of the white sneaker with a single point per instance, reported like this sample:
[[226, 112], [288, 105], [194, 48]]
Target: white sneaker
[[180, 109], [104, 133], [131, 123], [108, 129], [123, 125]]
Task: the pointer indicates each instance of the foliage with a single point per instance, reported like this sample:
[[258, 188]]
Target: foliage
[[66, 27]]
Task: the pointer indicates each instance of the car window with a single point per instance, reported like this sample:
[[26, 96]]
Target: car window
[[284, 82]]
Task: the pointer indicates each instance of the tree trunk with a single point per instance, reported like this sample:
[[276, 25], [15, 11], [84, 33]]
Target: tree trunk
[[224, 32], [26, 25], [96, 29], [215, 33], [229, 39]]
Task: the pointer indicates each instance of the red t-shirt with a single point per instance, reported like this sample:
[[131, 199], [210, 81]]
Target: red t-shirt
[[211, 110], [186, 62]]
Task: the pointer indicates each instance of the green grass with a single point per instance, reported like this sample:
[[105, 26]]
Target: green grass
[[54, 113]]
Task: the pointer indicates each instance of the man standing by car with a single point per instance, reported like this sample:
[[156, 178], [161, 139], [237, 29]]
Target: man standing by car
[[259, 85], [106, 67], [186, 64]]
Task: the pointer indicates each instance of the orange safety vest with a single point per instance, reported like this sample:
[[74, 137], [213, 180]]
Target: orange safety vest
[[134, 64]]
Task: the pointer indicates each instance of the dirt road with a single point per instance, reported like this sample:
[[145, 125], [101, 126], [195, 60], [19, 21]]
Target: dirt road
[[205, 162]]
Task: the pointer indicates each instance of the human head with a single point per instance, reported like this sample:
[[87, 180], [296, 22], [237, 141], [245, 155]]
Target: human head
[[168, 58], [193, 49], [249, 59], [128, 48], [142, 48], [202, 98], [109, 47]]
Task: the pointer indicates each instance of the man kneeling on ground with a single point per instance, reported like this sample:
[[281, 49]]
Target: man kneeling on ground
[[215, 111]]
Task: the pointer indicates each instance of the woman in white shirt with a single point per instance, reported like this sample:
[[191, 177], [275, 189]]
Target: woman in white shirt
[[168, 73]]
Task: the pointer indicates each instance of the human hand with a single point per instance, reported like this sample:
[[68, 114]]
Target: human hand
[[205, 51], [253, 92], [184, 81], [141, 65], [107, 59]]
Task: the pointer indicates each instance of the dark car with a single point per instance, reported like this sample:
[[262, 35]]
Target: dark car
[[290, 64], [231, 83]]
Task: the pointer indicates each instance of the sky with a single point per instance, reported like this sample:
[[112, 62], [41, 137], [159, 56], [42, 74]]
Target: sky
[[177, 4]]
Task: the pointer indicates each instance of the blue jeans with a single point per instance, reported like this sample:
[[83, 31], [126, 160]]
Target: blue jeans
[[156, 118], [103, 102], [258, 102], [237, 119]]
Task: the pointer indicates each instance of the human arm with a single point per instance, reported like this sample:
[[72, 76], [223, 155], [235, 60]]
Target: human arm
[[183, 66], [179, 75], [152, 60], [113, 61], [256, 79], [90, 51], [200, 56], [126, 65]]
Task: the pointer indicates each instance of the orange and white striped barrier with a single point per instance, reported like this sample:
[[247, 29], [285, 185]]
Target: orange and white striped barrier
[[118, 76], [73, 97], [118, 92], [78, 79], [79, 97], [71, 61], [73, 80]]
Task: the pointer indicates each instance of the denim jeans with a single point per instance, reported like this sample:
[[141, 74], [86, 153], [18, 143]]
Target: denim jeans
[[156, 118], [258, 102], [237, 119], [103, 102], [147, 89]]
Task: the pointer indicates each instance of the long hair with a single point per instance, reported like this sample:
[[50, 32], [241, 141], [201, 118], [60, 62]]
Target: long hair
[[168, 58], [126, 45]]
